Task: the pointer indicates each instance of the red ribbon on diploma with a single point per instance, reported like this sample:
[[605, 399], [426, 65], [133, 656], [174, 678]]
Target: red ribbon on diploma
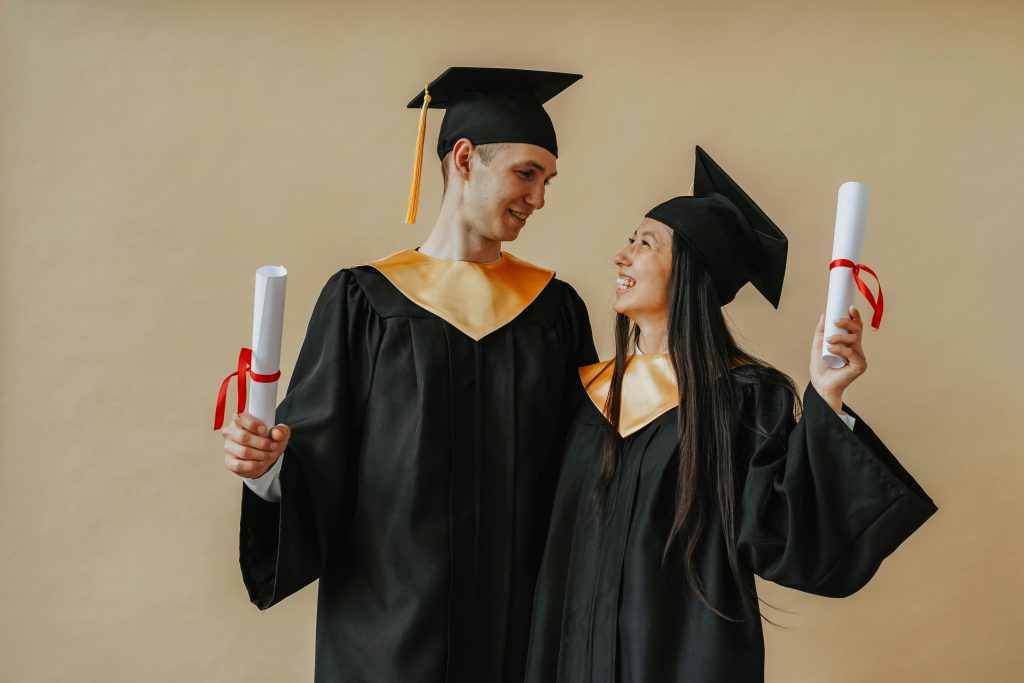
[[244, 368], [876, 306]]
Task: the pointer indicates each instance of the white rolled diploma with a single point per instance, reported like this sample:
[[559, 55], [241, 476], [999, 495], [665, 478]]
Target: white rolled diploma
[[267, 323], [851, 222]]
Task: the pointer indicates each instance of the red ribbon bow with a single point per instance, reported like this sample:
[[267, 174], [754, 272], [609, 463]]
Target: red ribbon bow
[[244, 368], [876, 306]]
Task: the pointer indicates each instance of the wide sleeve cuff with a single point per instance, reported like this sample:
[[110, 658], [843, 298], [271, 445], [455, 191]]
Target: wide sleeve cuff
[[267, 486]]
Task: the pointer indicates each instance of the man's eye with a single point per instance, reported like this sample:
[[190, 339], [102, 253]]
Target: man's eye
[[646, 243], [525, 175]]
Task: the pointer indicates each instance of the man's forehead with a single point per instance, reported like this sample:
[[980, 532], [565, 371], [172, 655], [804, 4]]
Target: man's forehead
[[531, 155]]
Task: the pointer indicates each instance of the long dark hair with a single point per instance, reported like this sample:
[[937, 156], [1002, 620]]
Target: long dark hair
[[703, 353]]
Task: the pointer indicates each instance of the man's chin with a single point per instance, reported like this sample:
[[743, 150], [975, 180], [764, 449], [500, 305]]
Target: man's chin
[[509, 233]]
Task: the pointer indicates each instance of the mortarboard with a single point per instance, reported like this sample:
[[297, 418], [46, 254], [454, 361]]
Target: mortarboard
[[728, 232], [485, 106]]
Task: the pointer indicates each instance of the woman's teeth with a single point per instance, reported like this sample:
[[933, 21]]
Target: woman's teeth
[[623, 283], [520, 216]]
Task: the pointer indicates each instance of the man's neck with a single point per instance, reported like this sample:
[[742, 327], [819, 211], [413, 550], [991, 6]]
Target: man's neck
[[453, 240]]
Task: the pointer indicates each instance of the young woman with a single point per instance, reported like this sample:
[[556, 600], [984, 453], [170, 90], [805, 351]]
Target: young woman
[[686, 472]]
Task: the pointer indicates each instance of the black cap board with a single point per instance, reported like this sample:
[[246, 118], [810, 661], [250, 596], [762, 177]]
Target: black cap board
[[734, 239], [495, 105]]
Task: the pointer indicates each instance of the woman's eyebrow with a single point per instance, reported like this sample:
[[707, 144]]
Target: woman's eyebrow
[[650, 234]]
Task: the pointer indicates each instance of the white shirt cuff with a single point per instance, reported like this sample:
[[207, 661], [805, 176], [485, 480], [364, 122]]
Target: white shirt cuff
[[268, 486], [849, 420]]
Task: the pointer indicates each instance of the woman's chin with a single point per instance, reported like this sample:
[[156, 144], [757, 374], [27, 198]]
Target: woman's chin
[[621, 303]]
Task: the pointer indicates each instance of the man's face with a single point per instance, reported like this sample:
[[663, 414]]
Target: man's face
[[501, 194]]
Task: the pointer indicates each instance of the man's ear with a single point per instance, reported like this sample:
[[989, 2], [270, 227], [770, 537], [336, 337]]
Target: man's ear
[[462, 152]]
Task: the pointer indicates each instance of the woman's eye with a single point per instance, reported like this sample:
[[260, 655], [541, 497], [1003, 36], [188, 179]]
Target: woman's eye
[[646, 244], [631, 240]]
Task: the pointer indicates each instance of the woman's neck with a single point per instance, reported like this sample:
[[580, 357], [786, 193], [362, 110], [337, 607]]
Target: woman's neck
[[653, 337]]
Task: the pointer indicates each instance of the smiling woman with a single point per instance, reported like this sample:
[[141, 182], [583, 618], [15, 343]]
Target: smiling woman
[[686, 472], [642, 285]]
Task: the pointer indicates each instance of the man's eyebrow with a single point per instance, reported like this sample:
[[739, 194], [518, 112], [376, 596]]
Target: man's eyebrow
[[539, 167]]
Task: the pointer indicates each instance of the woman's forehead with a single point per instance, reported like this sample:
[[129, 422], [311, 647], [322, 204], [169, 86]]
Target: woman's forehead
[[654, 228]]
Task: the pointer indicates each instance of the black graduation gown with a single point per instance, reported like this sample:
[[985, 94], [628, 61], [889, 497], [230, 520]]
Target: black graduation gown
[[417, 482], [820, 507]]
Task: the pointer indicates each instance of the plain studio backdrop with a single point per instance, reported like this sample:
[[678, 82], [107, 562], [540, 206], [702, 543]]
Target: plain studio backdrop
[[154, 154]]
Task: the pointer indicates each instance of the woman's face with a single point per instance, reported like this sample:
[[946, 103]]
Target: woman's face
[[644, 269]]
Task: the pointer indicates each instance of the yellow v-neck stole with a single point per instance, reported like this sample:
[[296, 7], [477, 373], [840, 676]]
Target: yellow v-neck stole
[[476, 298], [648, 389]]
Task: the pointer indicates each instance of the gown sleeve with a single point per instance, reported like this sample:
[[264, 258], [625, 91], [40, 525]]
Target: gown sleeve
[[573, 466], [283, 545], [576, 340], [576, 322], [821, 505], [575, 482], [579, 352]]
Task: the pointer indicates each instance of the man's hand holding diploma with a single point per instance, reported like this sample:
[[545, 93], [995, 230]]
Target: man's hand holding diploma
[[248, 451]]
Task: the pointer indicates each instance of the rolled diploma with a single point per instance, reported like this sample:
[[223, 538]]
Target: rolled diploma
[[851, 221], [267, 322]]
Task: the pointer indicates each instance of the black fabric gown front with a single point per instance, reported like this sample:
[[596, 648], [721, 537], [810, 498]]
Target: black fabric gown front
[[417, 482], [820, 506]]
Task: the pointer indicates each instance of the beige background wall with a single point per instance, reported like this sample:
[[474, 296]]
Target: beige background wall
[[153, 154]]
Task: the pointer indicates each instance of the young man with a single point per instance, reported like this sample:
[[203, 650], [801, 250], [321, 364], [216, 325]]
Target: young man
[[422, 430]]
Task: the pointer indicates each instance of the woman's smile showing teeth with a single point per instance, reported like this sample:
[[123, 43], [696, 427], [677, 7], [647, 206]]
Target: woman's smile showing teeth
[[624, 282]]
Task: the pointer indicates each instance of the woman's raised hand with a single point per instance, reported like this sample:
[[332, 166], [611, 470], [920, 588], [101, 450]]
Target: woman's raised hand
[[831, 382]]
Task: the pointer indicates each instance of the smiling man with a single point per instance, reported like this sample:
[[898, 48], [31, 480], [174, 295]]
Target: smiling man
[[422, 430]]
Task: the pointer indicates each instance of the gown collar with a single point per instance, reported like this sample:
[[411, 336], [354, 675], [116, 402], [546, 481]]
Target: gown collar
[[476, 298], [648, 389]]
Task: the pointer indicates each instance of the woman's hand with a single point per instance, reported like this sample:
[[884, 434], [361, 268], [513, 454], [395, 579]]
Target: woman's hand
[[831, 382]]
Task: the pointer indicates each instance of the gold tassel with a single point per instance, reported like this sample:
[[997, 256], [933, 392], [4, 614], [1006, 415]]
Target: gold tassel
[[417, 161], [691, 189]]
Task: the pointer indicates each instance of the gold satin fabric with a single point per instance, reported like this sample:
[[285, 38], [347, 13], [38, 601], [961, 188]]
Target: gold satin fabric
[[476, 298], [648, 389]]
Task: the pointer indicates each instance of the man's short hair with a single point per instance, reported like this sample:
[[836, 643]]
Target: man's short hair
[[485, 152]]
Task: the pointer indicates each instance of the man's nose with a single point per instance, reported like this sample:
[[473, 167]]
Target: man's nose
[[536, 198]]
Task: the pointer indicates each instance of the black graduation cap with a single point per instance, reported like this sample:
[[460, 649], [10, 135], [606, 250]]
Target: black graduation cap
[[485, 106], [728, 232]]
